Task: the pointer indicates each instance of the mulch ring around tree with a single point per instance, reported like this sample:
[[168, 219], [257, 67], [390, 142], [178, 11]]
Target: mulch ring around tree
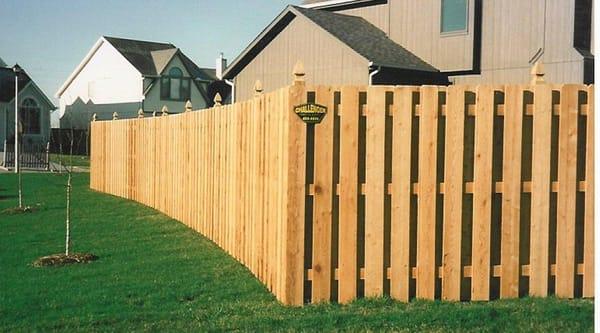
[[63, 259], [18, 210]]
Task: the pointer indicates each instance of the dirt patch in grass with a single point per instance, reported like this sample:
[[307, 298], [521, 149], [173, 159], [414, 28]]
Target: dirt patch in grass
[[18, 210], [62, 259]]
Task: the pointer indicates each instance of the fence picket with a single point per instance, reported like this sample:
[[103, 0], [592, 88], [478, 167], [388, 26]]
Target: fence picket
[[323, 200], [453, 193], [375, 192], [539, 270], [567, 191], [588, 254], [482, 194], [427, 197], [349, 191], [511, 191], [401, 194]]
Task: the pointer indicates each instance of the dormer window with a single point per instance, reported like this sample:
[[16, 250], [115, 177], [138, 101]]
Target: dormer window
[[454, 16], [175, 86]]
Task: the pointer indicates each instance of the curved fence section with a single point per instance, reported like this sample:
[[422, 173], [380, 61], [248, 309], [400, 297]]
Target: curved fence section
[[456, 193]]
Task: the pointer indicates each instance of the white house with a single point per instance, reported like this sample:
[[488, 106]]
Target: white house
[[34, 108], [124, 75]]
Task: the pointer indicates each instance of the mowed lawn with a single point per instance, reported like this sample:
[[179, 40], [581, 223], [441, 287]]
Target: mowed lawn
[[154, 274]]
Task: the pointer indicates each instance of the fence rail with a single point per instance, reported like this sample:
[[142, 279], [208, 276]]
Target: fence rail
[[31, 155], [458, 193]]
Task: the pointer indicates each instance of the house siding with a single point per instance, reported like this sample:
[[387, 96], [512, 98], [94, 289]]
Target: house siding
[[512, 32], [107, 83], [106, 78], [7, 116], [326, 60], [153, 102]]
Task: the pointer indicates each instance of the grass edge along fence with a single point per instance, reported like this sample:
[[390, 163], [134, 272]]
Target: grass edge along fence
[[456, 193]]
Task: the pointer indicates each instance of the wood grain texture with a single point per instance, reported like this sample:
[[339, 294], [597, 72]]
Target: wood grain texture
[[401, 193], [348, 196], [482, 194], [511, 191], [540, 192], [375, 196], [453, 193], [566, 201], [237, 174], [426, 233]]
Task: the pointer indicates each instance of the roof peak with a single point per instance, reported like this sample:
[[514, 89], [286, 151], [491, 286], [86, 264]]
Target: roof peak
[[109, 38]]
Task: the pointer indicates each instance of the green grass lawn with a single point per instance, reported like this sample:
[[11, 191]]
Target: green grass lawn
[[154, 274], [78, 160]]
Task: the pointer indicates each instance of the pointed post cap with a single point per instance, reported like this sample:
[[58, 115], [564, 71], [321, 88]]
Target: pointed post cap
[[299, 71], [154, 113], [164, 110], [140, 113], [258, 88], [94, 117], [537, 73], [217, 99], [115, 116], [188, 106]]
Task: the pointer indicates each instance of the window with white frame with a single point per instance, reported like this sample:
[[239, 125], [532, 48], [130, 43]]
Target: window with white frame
[[175, 86], [454, 16]]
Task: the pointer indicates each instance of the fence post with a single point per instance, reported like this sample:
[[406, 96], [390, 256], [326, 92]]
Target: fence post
[[140, 113], [296, 187], [188, 106], [164, 111], [115, 116]]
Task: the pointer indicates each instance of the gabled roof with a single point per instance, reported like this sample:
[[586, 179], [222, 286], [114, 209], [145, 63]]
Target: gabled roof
[[7, 83], [7, 86], [367, 40], [139, 53], [361, 36], [148, 58], [2, 63]]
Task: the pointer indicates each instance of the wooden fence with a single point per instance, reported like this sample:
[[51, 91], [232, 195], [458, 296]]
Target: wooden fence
[[453, 192]]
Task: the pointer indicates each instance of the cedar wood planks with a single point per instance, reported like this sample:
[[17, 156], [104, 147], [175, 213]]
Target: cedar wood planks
[[401, 193], [348, 196], [375, 192], [323, 200], [244, 172], [511, 191], [453, 193], [428, 128]]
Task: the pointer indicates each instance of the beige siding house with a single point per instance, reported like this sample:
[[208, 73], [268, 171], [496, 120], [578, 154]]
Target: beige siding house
[[465, 41]]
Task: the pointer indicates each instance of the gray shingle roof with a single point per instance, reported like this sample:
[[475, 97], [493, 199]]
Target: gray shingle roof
[[139, 53], [7, 83], [366, 39], [150, 58]]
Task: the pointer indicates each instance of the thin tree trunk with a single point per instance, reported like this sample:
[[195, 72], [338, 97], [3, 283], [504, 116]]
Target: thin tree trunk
[[69, 188], [68, 222], [20, 186]]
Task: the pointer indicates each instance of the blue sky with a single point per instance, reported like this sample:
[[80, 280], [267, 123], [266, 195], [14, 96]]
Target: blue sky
[[50, 37]]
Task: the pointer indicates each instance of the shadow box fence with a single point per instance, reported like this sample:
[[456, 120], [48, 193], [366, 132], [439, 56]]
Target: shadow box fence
[[432, 192]]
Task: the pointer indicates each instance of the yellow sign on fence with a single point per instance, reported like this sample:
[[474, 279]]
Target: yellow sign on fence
[[311, 113]]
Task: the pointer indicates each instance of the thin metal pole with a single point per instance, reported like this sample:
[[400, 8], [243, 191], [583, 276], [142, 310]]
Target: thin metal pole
[[16, 122]]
